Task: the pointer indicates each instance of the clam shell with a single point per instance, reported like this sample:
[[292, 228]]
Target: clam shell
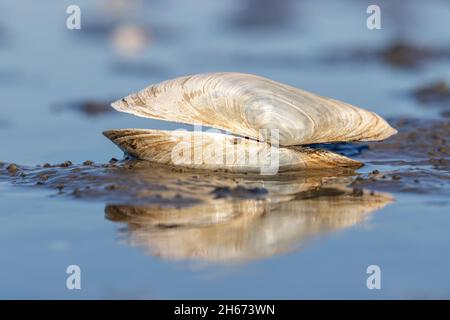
[[244, 104], [217, 151]]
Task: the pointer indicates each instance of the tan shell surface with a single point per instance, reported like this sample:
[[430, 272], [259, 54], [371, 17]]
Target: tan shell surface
[[216, 151], [246, 105]]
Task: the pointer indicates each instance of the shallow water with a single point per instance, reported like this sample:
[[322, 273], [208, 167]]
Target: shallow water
[[244, 244]]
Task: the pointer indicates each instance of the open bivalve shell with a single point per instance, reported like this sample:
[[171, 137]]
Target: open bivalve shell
[[251, 108]]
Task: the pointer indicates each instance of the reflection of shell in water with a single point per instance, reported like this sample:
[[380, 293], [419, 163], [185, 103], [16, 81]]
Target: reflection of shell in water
[[245, 104], [246, 230]]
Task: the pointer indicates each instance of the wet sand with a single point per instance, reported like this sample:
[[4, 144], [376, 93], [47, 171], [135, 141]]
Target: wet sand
[[417, 159]]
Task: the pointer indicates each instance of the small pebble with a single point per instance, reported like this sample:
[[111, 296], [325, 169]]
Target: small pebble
[[43, 177], [66, 164], [12, 168]]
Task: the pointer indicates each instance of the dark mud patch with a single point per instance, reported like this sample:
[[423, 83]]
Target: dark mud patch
[[437, 92], [88, 108], [445, 114], [404, 55], [417, 142], [411, 180], [263, 15], [399, 54], [106, 182], [416, 160], [142, 182]]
